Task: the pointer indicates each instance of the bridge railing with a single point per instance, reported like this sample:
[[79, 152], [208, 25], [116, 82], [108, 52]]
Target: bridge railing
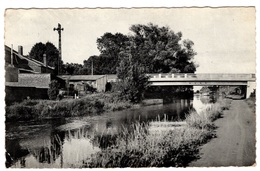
[[210, 76]]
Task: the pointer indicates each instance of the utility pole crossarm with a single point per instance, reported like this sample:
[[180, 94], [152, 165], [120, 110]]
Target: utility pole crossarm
[[59, 29]]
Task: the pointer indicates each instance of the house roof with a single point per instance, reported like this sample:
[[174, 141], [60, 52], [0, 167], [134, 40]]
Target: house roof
[[29, 59], [111, 76], [81, 77]]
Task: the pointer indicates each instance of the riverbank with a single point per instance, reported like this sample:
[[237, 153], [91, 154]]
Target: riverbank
[[175, 147], [90, 105], [235, 142]]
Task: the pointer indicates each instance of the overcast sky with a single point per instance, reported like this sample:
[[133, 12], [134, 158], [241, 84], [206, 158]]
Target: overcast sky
[[224, 38]]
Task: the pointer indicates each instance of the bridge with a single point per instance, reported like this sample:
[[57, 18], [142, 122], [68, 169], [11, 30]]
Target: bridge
[[210, 79]]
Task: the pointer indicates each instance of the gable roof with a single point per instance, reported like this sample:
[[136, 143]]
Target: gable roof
[[81, 77], [38, 63]]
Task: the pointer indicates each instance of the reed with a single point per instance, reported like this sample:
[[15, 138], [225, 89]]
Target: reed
[[138, 147], [205, 119]]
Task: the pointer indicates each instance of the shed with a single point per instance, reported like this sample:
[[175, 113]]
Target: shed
[[97, 81]]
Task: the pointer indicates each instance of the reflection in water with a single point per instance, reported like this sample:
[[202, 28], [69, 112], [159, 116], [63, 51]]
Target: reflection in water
[[52, 147]]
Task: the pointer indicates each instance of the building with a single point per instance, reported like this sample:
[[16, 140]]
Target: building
[[25, 77], [79, 81], [24, 64], [112, 78]]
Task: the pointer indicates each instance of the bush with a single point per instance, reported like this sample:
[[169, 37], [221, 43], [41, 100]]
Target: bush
[[132, 79], [90, 88], [136, 147], [53, 90], [89, 105], [205, 119]]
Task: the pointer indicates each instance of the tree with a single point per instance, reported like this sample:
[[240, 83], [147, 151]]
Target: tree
[[53, 90], [133, 80], [109, 46], [72, 69], [160, 50], [52, 53]]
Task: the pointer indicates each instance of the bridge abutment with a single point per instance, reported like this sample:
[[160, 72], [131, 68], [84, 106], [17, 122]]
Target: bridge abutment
[[251, 86]]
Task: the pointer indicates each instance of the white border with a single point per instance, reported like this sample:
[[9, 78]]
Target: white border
[[114, 4]]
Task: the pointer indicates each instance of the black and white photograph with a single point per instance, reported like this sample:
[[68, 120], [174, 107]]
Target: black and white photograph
[[130, 87]]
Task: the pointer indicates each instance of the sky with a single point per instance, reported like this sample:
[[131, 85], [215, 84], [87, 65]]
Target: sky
[[224, 38]]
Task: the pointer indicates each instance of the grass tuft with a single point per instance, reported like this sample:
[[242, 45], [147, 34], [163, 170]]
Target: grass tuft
[[138, 147]]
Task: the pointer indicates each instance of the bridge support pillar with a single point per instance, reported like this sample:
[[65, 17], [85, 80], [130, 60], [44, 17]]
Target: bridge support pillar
[[251, 86]]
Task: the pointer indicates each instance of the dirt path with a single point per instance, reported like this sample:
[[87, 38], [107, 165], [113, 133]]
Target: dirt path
[[235, 142]]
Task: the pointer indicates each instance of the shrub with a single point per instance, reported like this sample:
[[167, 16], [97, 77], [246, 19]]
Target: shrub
[[132, 79], [136, 147], [53, 90], [204, 119]]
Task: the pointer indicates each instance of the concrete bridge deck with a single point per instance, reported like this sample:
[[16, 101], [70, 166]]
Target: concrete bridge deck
[[200, 79]]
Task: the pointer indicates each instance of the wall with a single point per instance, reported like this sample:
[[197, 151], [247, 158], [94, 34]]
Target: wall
[[101, 84], [35, 80], [251, 86], [18, 94], [11, 74]]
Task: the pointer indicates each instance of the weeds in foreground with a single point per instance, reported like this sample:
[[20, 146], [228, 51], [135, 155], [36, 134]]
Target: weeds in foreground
[[137, 147], [205, 119]]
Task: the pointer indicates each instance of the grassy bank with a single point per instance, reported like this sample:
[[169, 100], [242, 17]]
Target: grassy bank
[[177, 147], [251, 101], [90, 105]]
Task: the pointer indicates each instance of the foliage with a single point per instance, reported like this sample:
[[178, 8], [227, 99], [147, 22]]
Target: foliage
[[90, 88], [140, 146], [251, 101], [109, 45], [160, 51], [101, 65], [204, 119], [133, 80], [157, 49], [53, 90], [150, 49], [52, 53], [92, 104], [73, 69]]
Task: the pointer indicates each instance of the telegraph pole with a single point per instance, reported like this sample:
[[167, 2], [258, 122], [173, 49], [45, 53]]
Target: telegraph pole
[[59, 29]]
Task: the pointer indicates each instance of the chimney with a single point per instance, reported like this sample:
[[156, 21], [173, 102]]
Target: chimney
[[44, 60], [20, 50]]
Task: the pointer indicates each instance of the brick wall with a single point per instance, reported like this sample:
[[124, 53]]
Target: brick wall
[[35, 80]]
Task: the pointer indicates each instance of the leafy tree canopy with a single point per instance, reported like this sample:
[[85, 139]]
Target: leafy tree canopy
[[160, 50], [157, 49], [52, 53], [73, 69]]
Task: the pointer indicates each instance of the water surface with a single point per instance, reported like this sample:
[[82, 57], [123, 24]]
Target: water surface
[[64, 143]]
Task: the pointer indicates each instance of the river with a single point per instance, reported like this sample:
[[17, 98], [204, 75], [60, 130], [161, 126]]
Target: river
[[67, 142]]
